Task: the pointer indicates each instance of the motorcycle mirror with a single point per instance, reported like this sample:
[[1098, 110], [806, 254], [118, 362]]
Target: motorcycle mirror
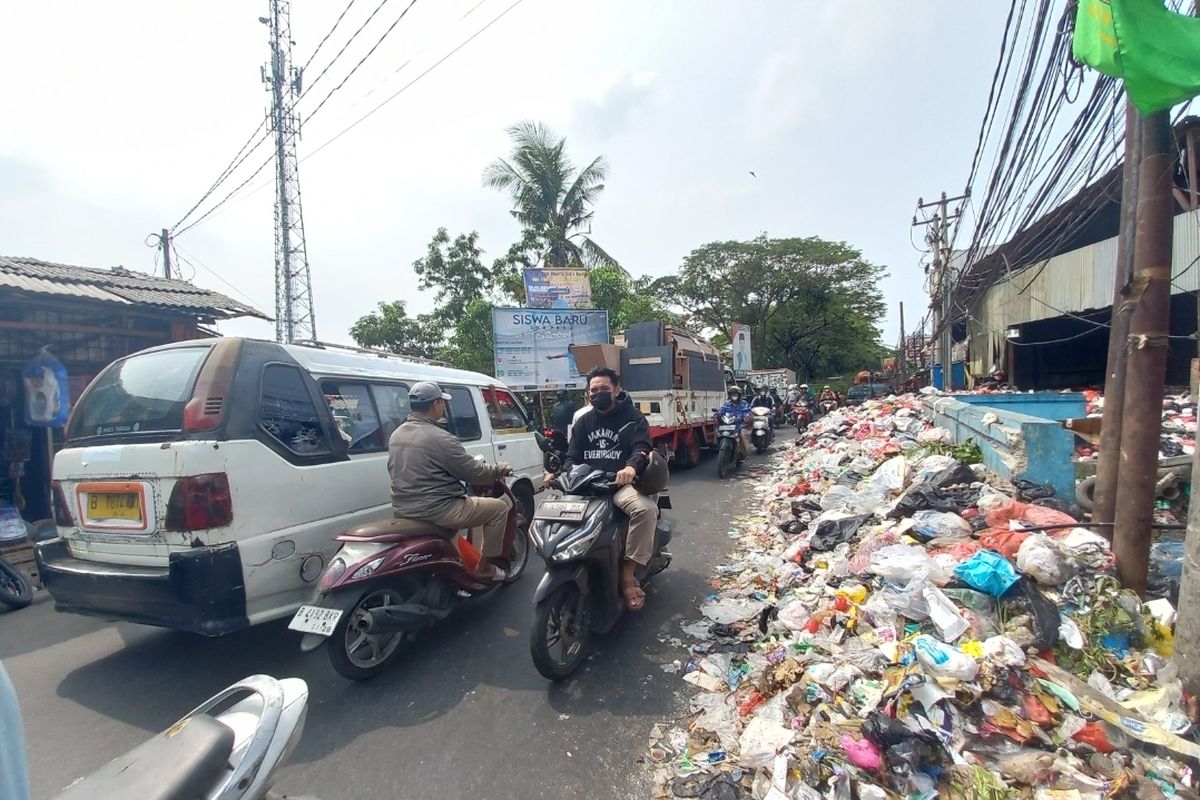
[[542, 442], [716, 410]]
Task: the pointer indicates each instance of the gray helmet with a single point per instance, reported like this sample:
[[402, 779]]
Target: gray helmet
[[655, 476]]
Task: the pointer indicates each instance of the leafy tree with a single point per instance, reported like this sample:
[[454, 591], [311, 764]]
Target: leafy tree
[[470, 346], [391, 328], [550, 198], [811, 304], [628, 301], [454, 271]]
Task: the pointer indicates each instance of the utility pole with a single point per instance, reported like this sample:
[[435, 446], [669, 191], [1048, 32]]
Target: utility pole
[[938, 239], [1150, 296], [164, 241], [1109, 468], [294, 318], [901, 366]]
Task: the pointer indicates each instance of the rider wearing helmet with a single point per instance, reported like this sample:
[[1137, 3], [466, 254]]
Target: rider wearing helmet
[[735, 405], [762, 399], [827, 394], [793, 395]]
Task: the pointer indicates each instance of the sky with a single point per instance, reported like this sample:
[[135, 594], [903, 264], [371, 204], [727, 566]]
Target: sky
[[118, 116]]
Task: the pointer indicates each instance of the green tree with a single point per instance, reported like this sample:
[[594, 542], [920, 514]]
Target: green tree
[[550, 197], [454, 271], [470, 345], [811, 303], [628, 300], [391, 328]]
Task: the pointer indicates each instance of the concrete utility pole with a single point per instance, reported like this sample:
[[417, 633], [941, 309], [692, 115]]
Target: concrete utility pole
[[901, 365], [164, 241], [1109, 468], [939, 242], [294, 318], [1150, 296]]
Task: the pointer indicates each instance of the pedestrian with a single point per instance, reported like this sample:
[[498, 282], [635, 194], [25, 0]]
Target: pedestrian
[[563, 414]]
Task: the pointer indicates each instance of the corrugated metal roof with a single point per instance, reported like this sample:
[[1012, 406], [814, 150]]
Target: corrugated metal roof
[[1081, 280], [118, 285]]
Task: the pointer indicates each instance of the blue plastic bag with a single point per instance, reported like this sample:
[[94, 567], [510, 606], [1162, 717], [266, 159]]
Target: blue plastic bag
[[47, 395], [987, 572]]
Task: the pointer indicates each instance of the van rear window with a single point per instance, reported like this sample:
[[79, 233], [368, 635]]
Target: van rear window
[[145, 392]]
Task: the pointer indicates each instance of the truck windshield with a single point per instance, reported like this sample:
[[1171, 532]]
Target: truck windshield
[[145, 392]]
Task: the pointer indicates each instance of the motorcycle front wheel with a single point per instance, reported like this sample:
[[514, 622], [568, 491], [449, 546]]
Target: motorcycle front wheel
[[355, 654], [561, 633], [15, 591], [724, 459]]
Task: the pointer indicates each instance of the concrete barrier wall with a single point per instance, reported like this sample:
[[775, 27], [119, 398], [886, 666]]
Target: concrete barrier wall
[[1015, 446], [1047, 405]]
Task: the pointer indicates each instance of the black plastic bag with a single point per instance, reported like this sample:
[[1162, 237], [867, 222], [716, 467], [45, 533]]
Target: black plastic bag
[[1028, 491], [1070, 508], [849, 479], [927, 497], [884, 730], [956, 474], [1025, 598], [808, 503], [832, 532], [907, 757]]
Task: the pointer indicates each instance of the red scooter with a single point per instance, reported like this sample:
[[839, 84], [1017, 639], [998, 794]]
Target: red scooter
[[803, 415], [395, 577]]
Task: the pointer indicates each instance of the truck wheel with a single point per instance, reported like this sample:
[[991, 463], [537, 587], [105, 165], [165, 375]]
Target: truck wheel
[[1085, 493], [687, 455]]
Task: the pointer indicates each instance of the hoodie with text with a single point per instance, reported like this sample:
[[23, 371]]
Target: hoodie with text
[[596, 439]]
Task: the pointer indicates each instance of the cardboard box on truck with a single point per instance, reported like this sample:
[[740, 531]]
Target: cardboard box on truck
[[590, 356]]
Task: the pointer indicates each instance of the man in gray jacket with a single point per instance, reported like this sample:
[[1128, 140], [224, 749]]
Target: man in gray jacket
[[428, 466]]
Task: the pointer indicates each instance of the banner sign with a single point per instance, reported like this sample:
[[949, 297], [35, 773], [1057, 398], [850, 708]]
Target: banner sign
[[532, 346], [740, 347], [558, 288]]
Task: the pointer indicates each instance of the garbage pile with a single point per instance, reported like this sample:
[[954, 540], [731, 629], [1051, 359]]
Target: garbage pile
[[895, 622], [1179, 423]]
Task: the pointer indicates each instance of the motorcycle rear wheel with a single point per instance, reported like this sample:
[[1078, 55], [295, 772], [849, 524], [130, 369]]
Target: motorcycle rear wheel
[[15, 591], [359, 656], [557, 623]]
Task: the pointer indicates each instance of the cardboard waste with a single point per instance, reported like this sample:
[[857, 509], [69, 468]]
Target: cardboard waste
[[887, 627]]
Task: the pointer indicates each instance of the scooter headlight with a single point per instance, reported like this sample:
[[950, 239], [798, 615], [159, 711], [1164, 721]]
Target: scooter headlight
[[366, 569], [578, 545], [333, 574]]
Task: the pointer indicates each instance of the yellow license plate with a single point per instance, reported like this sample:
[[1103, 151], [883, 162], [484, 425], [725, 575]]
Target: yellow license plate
[[115, 505]]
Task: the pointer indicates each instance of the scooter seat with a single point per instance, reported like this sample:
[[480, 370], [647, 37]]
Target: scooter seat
[[182, 763], [395, 529]]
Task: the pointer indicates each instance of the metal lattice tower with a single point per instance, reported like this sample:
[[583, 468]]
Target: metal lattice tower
[[294, 318]]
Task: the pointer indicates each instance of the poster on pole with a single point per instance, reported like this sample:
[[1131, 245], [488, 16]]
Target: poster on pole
[[558, 288], [532, 346], [740, 346]]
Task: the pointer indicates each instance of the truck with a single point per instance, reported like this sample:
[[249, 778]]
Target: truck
[[674, 377], [778, 379]]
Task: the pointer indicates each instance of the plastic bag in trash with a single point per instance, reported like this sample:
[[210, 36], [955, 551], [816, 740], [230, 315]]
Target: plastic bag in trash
[[935, 524], [926, 496], [987, 572], [990, 500], [1025, 601], [943, 660], [1039, 558], [891, 475], [884, 730], [832, 532], [904, 563], [836, 497], [954, 475], [1028, 490]]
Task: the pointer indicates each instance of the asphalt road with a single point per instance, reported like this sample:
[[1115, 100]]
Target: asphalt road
[[463, 713]]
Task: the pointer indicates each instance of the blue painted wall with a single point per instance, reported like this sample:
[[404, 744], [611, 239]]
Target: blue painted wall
[[1043, 446], [1047, 405]]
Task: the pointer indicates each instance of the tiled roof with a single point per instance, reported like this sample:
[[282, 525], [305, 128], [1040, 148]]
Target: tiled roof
[[118, 285]]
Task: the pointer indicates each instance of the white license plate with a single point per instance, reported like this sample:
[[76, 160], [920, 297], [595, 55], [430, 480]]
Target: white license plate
[[314, 619], [726, 428], [569, 510]]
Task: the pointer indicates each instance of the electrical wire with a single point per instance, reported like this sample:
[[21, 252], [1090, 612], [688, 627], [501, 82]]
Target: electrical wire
[[228, 196], [242, 154], [328, 33], [213, 272]]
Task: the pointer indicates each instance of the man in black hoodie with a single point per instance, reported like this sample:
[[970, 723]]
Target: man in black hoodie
[[596, 440]]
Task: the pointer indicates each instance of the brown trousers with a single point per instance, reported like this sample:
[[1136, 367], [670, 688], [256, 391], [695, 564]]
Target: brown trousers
[[488, 513]]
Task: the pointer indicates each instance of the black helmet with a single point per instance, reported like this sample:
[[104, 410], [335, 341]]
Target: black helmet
[[654, 477]]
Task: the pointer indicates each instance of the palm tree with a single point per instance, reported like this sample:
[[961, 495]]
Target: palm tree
[[549, 197]]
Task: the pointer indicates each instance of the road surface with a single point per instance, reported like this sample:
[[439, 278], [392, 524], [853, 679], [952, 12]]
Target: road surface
[[463, 713]]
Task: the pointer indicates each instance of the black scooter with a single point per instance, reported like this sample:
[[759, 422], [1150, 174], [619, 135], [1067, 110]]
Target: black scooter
[[581, 537]]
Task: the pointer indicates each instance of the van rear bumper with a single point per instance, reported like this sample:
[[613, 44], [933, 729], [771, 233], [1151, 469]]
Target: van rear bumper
[[200, 591]]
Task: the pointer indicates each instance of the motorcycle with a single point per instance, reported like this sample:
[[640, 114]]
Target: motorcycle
[[762, 432], [582, 540], [15, 591], [827, 406], [395, 577], [803, 416], [728, 450], [211, 753]]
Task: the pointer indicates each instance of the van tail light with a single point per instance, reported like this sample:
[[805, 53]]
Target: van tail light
[[205, 410], [62, 511], [200, 502]]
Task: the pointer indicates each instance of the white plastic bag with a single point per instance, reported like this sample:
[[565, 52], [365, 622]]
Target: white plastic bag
[[1040, 559], [943, 660], [727, 612], [935, 436], [890, 477], [990, 500], [903, 563], [939, 524], [836, 497], [794, 615], [761, 740], [945, 614]]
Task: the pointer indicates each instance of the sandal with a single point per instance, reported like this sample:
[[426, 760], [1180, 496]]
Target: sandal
[[635, 598]]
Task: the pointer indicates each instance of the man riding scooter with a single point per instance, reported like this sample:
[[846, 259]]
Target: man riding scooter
[[735, 405], [428, 467], [594, 441]]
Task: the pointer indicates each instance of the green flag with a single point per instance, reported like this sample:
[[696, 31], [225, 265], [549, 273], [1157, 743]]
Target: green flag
[[1155, 50]]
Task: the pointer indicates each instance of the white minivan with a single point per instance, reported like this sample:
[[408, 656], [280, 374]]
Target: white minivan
[[202, 482]]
